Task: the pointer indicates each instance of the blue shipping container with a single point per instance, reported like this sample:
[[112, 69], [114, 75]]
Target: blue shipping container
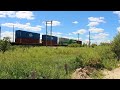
[[49, 38], [25, 34]]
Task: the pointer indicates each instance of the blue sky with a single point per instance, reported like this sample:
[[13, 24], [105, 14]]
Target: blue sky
[[103, 25]]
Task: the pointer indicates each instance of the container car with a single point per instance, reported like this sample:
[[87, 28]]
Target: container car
[[30, 38], [25, 37], [49, 40]]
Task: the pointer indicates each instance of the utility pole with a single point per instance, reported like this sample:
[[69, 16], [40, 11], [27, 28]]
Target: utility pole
[[13, 33], [0, 32], [46, 33], [49, 22], [89, 38], [51, 33], [78, 36]]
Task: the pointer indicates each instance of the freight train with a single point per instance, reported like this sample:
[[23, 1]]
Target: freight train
[[30, 38]]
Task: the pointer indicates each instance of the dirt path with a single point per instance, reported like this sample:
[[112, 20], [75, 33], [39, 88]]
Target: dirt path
[[114, 74], [81, 74]]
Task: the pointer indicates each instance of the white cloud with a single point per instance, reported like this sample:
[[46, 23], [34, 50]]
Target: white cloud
[[117, 12], [96, 19], [11, 14], [101, 41], [18, 14], [26, 26], [100, 36], [86, 41], [8, 34], [97, 38], [87, 36], [56, 34], [75, 22], [69, 33], [25, 14], [118, 29], [81, 31], [92, 24], [96, 30], [54, 23], [7, 13]]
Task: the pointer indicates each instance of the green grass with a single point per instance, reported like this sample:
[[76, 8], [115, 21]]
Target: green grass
[[49, 62]]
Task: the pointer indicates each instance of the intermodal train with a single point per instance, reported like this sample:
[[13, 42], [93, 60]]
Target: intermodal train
[[30, 38]]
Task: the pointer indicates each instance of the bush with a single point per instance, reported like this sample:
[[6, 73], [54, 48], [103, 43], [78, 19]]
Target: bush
[[84, 45], [105, 44], [74, 45], [116, 46], [4, 44], [93, 45]]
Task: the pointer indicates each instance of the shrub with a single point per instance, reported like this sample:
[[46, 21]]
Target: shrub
[[93, 45], [116, 46], [105, 44], [5, 44], [74, 45], [84, 45]]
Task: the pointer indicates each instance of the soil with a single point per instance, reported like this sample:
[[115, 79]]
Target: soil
[[83, 73], [113, 74]]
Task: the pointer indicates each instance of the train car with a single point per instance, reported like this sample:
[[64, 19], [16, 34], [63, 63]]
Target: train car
[[48, 40], [25, 37], [63, 41]]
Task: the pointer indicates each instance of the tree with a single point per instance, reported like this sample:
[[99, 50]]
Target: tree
[[4, 44], [116, 45]]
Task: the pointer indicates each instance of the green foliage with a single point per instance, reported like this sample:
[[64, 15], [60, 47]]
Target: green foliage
[[74, 45], [105, 44], [84, 45], [105, 52], [116, 45], [93, 45], [97, 74], [53, 62], [109, 63], [4, 44]]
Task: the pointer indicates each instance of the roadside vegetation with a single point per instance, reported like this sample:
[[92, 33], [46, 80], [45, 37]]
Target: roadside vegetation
[[20, 62]]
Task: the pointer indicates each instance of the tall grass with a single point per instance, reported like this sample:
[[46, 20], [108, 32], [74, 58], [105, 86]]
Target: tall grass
[[51, 62]]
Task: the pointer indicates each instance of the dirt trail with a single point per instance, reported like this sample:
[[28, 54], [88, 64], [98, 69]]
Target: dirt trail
[[81, 74], [114, 74]]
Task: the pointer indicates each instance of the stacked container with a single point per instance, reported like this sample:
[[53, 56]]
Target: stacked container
[[24, 37], [48, 40]]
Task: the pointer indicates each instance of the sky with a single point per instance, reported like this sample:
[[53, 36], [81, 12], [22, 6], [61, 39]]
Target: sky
[[103, 25]]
